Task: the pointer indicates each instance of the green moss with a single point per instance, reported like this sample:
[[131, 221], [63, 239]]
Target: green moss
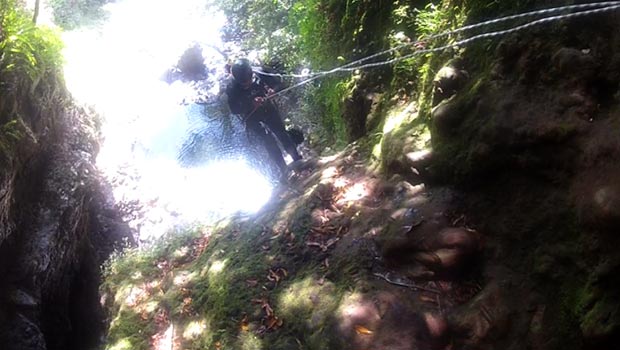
[[324, 103], [603, 319], [128, 328], [457, 156], [213, 288]]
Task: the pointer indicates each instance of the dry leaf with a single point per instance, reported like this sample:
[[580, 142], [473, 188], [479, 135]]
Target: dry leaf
[[251, 282], [273, 276], [313, 244], [273, 322], [331, 242], [218, 345], [268, 309], [427, 299], [362, 330], [245, 326]]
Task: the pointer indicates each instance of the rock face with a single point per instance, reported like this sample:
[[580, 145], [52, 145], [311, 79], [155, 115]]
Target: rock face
[[528, 142], [57, 226]]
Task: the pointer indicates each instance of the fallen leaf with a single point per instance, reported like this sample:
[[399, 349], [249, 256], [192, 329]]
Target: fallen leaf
[[264, 304], [245, 326], [330, 243], [273, 322], [268, 309], [362, 330], [251, 282], [427, 299], [273, 276]]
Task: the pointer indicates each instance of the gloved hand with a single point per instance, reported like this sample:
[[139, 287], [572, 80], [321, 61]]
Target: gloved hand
[[258, 101]]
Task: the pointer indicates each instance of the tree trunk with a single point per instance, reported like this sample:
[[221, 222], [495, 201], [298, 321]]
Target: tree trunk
[[36, 11]]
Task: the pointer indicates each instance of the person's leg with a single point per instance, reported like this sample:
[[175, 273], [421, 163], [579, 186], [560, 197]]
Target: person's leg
[[275, 124], [268, 141]]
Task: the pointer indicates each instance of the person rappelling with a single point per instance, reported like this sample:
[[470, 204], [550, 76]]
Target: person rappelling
[[248, 97]]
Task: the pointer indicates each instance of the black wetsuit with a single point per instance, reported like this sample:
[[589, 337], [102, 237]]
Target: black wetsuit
[[241, 102]]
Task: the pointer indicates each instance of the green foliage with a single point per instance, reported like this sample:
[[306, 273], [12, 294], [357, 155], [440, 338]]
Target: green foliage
[[332, 31], [323, 103], [261, 25], [73, 13], [418, 72], [26, 49], [483, 10], [10, 134], [30, 57]]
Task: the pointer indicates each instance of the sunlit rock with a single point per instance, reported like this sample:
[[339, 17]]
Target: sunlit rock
[[447, 82]]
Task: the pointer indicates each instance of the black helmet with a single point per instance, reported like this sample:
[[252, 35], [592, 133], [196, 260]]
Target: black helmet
[[242, 70]]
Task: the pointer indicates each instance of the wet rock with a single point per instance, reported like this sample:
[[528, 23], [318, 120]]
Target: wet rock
[[435, 333], [20, 297], [486, 316], [436, 324], [50, 271], [442, 259], [191, 64], [573, 63], [420, 157], [420, 160], [537, 337], [21, 333], [190, 67], [600, 206], [447, 116], [449, 250], [430, 252], [572, 99], [466, 241], [602, 323], [357, 107]]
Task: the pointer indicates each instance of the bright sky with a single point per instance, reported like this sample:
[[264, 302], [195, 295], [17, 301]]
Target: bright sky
[[116, 68]]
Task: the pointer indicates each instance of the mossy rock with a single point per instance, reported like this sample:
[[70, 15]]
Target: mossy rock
[[602, 322]]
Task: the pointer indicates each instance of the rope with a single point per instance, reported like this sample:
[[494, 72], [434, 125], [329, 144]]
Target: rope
[[611, 6], [484, 36], [604, 4]]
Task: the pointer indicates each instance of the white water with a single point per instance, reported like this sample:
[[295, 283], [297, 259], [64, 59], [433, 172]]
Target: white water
[[116, 68]]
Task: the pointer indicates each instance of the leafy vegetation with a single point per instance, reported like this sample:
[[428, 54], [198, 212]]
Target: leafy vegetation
[[73, 13], [30, 61]]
